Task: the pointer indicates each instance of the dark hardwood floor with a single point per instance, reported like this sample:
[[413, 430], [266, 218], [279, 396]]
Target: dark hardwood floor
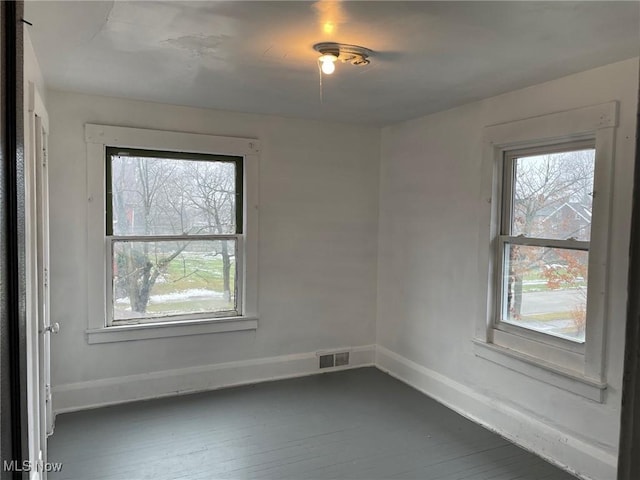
[[356, 424]]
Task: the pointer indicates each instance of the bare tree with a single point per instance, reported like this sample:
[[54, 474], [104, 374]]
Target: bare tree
[[147, 185], [548, 182], [213, 194]]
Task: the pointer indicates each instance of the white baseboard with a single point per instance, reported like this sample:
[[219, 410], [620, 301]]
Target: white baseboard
[[110, 391], [554, 445]]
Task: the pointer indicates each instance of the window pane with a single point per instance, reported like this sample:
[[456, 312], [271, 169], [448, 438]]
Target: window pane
[[553, 195], [545, 289], [160, 278], [165, 196]]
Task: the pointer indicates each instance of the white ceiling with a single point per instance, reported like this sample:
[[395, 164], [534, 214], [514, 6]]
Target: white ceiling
[[257, 56]]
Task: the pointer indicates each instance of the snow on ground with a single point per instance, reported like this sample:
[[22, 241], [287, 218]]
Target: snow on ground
[[192, 294]]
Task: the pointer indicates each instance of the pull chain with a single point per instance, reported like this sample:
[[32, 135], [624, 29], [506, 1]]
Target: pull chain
[[320, 74]]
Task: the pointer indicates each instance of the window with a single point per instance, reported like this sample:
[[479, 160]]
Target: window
[[546, 188], [543, 248], [174, 225], [172, 233]]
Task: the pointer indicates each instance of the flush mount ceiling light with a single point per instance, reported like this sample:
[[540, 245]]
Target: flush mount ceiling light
[[331, 52]]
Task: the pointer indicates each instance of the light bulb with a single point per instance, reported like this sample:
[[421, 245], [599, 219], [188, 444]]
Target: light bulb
[[328, 67], [328, 63]]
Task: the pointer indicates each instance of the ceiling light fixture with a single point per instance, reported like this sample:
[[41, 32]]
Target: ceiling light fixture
[[331, 52]]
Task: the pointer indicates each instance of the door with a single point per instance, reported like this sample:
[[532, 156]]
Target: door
[[38, 298]]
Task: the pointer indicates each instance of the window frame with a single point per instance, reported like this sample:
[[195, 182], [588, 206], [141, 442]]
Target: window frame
[[98, 139], [111, 238], [579, 369], [505, 237]]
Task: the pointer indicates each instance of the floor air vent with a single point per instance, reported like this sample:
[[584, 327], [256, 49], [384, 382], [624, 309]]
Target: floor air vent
[[342, 359], [326, 361], [339, 359]]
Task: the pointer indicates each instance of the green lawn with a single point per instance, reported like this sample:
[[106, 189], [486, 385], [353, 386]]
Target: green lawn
[[193, 270]]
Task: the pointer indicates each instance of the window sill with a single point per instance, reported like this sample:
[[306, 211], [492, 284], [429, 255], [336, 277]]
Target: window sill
[[568, 380], [125, 333]]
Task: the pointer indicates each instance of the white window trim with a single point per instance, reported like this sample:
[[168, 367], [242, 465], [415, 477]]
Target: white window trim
[[97, 138], [579, 370]]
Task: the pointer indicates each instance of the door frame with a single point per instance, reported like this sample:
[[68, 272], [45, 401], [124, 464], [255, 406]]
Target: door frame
[[629, 449], [13, 337]]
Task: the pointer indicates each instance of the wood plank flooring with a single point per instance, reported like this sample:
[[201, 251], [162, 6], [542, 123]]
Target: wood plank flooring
[[355, 424]]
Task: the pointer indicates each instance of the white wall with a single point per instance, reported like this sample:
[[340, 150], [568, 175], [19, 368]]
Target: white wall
[[429, 287], [317, 250]]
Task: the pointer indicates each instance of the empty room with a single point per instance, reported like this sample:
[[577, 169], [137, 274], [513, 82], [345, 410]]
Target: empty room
[[325, 239]]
